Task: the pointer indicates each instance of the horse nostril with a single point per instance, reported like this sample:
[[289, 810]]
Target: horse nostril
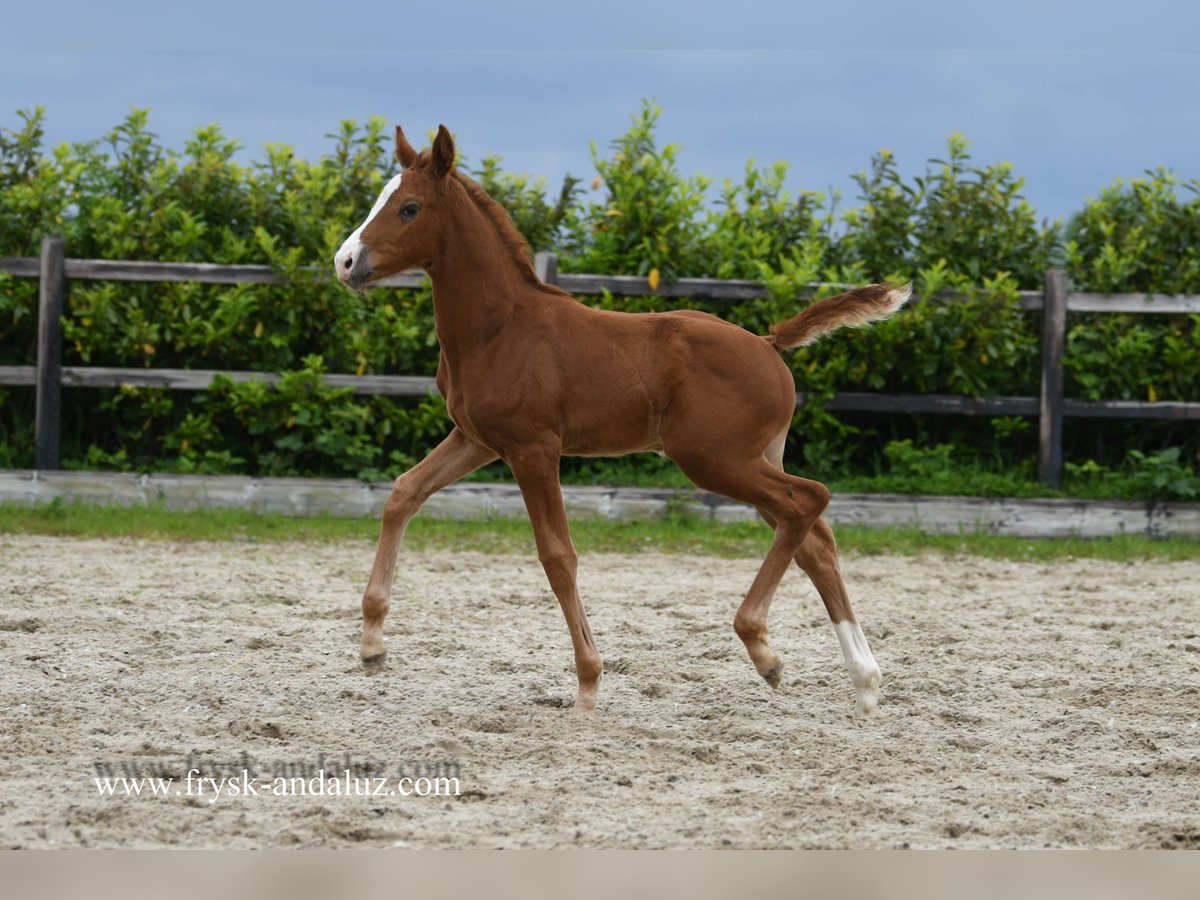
[[348, 264]]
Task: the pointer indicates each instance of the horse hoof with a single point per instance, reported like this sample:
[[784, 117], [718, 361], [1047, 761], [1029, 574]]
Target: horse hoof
[[868, 693], [375, 663], [774, 675]]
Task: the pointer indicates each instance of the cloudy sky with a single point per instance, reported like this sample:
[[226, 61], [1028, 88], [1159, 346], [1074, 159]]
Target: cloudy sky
[[1074, 95]]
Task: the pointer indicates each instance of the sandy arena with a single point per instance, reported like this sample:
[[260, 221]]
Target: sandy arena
[[1024, 705]]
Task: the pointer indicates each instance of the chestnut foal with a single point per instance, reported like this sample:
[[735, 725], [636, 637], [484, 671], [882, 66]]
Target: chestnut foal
[[530, 374]]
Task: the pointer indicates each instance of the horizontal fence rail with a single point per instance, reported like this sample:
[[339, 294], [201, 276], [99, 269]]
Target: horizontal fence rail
[[200, 273], [49, 376], [587, 285], [202, 379]]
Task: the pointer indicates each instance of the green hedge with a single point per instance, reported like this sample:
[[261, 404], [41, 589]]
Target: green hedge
[[960, 226]]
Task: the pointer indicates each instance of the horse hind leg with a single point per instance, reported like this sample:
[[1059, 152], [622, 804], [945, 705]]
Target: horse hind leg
[[817, 557], [794, 505]]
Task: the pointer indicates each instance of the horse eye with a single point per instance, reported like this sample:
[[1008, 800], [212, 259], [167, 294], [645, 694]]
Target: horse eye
[[410, 211]]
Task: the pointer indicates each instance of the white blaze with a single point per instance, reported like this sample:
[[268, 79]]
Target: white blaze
[[864, 671], [352, 246]]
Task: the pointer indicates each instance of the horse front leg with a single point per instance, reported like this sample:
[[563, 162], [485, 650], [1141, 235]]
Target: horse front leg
[[536, 471], [449, 461]]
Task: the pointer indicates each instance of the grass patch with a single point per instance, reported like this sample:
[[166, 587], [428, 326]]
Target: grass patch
[[679, 534]]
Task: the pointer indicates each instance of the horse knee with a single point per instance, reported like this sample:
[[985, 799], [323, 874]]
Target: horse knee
[[559, 561], [402, 503]]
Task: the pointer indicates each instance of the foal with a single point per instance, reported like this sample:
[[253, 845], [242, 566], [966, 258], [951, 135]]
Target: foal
[[530, 374]]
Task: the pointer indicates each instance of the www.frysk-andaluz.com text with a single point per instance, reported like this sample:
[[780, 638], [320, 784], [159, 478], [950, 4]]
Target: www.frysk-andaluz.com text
[[327, 776]]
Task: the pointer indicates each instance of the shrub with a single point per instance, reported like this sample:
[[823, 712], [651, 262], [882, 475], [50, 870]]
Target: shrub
[[960, 227]]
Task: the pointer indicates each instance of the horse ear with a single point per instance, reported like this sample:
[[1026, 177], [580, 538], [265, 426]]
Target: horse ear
[[405, 154], [443, 152]]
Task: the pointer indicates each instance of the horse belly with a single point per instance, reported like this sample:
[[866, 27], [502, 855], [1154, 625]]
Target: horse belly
[[612, 423]]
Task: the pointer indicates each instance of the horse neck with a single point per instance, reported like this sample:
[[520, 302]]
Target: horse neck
[[475, 279]]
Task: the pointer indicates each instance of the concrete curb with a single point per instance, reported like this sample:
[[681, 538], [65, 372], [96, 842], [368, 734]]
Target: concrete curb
[[344, 497]]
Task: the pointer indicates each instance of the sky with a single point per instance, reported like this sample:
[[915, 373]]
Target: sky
[[1073, 95]]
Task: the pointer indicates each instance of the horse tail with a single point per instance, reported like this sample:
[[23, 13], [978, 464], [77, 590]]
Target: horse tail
[[853, 308]]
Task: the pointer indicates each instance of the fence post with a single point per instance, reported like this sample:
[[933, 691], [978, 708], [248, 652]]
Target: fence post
[[545, 263], [51, 291], [1050, 402]]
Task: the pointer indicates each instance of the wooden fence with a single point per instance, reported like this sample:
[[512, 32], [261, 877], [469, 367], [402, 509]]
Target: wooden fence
[[54, 270]]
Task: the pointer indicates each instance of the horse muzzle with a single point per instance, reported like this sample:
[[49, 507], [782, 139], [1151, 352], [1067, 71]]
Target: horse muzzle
[[352, 264]]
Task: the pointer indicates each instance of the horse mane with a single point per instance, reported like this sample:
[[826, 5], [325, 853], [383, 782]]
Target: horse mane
[[512, 240]]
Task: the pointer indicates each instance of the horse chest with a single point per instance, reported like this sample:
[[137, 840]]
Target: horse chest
[[488, 412]]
